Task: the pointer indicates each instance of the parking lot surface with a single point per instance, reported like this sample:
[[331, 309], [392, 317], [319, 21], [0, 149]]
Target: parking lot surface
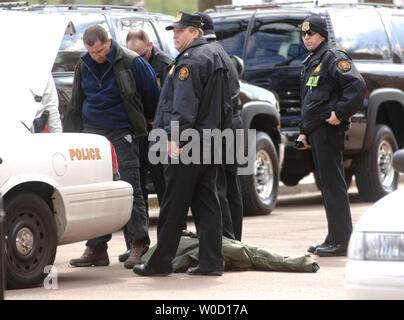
[[297, 222]]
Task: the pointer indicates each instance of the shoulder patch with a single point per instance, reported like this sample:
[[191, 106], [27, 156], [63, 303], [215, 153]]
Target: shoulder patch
[[344, 65], [183, 74]]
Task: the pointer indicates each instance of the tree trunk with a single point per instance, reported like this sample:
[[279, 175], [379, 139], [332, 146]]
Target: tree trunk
[[206, 4]]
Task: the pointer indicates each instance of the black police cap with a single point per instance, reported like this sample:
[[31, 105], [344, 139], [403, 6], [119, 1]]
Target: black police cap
[[208, 27], [316, 24], [184, 19]]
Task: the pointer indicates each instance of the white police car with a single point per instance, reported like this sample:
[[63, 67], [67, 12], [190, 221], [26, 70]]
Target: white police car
[[375, 267], [57, 188]]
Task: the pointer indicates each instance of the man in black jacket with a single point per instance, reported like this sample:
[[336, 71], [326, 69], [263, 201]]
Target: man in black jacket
[[332, 90], [195, 97], [228, 182]]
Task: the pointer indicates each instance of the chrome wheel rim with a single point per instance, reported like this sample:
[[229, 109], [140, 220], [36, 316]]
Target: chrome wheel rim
[[263, 175], [385, 164], [24, 241]]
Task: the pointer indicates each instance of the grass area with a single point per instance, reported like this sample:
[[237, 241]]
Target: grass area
[[163, 6], [172, 6]]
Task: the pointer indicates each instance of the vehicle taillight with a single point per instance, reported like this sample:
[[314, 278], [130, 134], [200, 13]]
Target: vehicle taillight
[[115, 169]]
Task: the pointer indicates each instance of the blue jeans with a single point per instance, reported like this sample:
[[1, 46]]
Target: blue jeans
[[127, 151]]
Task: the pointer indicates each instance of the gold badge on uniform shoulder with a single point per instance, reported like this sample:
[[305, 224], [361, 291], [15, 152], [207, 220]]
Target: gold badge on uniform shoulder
[[306, 26], [183, 74], [344, 65], [178, 17], [318, 68], [172, 70], [186, 54]]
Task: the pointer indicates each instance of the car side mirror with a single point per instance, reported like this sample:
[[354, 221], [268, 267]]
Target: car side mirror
[[238, 63], [398, 161]]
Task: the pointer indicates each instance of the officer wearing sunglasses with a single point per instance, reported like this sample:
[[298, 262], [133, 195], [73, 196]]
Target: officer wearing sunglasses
[[331, 91]]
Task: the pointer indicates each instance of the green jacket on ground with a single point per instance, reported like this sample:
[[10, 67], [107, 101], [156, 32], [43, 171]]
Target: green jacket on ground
[[238, 256]]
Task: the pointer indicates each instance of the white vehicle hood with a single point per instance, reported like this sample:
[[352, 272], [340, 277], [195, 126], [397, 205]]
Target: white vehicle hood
[[30, 44], [386, 215]]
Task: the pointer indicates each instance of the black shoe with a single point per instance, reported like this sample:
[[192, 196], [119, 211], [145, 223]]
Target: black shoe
[[332, 250], [146, 271], [124, 256], [195, 271], [311, 249]]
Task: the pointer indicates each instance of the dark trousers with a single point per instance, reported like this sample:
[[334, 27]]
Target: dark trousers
[[230, 199], [127, 151], [189, 186], [156, 174], [155, 171], [327, 144], [229, 191]]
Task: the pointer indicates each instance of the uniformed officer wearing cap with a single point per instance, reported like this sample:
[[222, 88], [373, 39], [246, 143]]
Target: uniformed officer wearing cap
[[196, 95], [228, 182], [331, 90]]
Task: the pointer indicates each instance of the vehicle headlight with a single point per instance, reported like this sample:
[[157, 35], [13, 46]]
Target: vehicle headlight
[[376, 246]]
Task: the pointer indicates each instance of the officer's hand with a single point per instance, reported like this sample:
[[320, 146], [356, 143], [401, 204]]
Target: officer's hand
[[333, 120], [303, 138], [173, 150]]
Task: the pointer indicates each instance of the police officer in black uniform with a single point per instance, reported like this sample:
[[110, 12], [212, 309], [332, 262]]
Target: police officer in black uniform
[[332, 90], [137, 40], [228, 182], [196, 96]]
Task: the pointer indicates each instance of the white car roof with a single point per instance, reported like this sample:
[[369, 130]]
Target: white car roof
[[30, 44]]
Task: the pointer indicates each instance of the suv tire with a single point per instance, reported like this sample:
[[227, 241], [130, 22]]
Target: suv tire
[[260, 189], [28, 218], [374, 172]]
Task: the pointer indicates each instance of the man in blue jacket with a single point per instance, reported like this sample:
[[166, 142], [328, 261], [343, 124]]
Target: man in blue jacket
[[114, 93]]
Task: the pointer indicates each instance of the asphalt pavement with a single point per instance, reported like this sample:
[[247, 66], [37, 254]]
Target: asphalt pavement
[[297, 222]]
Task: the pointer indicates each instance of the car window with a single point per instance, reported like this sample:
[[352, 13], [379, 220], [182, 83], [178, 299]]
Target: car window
[[397, 22], [275, 43], [231, 35], [167, 37], [72, 46], [367, 40], [128, 24]]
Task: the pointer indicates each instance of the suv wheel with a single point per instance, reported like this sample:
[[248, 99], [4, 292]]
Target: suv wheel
[[374, 174], [261, 188], [30, 241]]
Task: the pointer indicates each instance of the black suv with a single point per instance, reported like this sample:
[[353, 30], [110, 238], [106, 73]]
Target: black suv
[[268, 39], [260, 106]]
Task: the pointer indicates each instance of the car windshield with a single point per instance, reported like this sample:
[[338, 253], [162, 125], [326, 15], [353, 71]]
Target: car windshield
[[231, 35], [168, 37], [72, 46]]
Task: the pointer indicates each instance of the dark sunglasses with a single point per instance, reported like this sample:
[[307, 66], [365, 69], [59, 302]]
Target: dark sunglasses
[[144, 53], [309, 32]]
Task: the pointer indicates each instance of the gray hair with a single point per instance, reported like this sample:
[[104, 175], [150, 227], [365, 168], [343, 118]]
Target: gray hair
[[200, 31]]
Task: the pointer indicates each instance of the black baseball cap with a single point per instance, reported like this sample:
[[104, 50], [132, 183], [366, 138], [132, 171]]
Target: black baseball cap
[[183, 20], [207, 27], [315, 23]]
